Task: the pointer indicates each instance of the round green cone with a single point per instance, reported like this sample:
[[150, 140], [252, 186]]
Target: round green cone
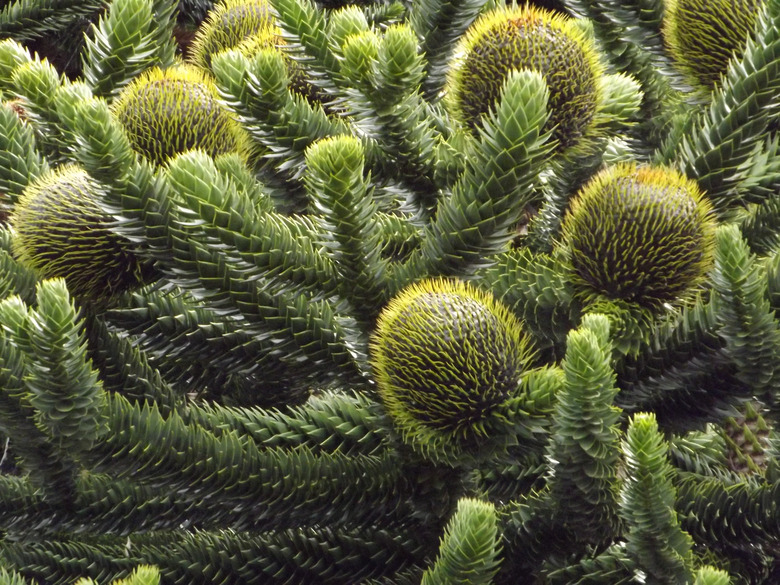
[[446, 356], [61, 231], [640, 234], [166, 112], [704, 35], [508, 39]]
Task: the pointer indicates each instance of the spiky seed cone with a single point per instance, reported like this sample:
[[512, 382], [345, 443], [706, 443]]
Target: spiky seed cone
[[169, 111], [641, 234], [445, 356], [510, 38], [227, 24], [61, 231], [703, 35]]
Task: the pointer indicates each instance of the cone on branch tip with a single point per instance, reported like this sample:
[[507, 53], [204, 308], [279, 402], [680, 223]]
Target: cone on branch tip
[[526, 37], [166, 112], [640, 234], [446, 356], [60, 230]]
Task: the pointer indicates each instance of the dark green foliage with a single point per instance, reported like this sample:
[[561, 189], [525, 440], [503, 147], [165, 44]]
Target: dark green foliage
[[232, 382]]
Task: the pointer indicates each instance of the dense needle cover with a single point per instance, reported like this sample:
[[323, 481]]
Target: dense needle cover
[[390, 293], [526, 37], [641, 234], [446, 357], [169, 111], [61, 230], [704, 35]]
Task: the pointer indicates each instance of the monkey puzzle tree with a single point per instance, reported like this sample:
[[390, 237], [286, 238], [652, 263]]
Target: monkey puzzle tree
[[387, 293]]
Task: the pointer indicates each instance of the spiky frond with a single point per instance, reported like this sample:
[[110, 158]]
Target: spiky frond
[[123, 44], [656, 540], [469, 548], [748, 326], [487, 200], [583, 446]]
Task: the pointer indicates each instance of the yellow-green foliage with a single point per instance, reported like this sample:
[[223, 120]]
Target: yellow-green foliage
[[271, 38], [642, 234], [61, 231], [142, 575], [445, 355], [526, 37], [169, 111], [703, 35], [228, 24]]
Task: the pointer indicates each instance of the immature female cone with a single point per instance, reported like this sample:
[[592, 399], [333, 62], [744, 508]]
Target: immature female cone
[[60, 230], [169, 111], [704, 35], [641, 234], [446, 357], [514, 38], [227, 25]]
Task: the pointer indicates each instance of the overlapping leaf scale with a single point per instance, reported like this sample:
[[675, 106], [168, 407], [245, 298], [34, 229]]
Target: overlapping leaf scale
[[194, 346], [721, 141], [299, 326], [283, 124], [341, 195], [637, 21], [702, 452], [47, 467], [309, 555], [56, 562], [15, 278], [8, 577], [30, 19], [62, 386], [100, 505], [531, 533], [439, 24], [611, 567], [584, 447], [284, 487], [390, 108], [100, 145], [20, 161], [757, 224], [535, 287], [35, 83], [282, 249], [470, 548], [684, 374], [120, 47], [329, 422], [480, 216], [628, 33], [12, 55], [655, 539], [748, 324], [761, 176], [304, 28], [743, 516], [125, 368]]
